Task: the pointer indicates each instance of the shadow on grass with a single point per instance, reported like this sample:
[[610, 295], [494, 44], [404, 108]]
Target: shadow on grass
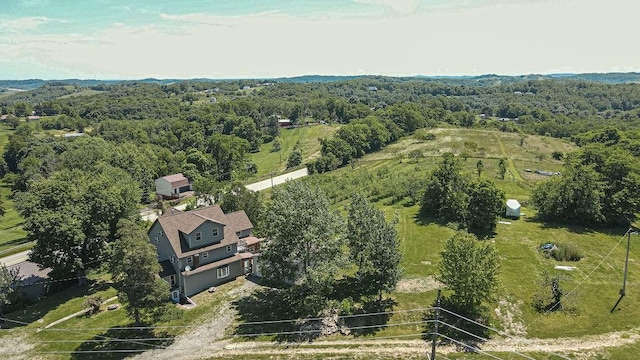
[[468, 327], [295, 314], [39, 309], [423, 220], [119, 343]]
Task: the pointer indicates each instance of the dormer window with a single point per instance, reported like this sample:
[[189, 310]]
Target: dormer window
[[229, 248], [215, 231], [189, 259], [198, 236], [161, 232], [173, 259]]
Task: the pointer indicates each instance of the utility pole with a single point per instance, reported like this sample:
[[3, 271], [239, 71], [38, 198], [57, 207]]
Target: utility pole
[[435, 333], [623, 291]]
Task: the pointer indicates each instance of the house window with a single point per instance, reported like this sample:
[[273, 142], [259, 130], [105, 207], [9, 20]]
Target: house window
[[222, 272], [205, 255], [157, 239], [173, 259], [161, 232], [215, 232], [172, 280], [198, 236], [229, 248], [189, 259], [238, 234]]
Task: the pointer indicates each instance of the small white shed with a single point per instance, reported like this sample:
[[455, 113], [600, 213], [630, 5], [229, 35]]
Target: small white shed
[[513, 208]]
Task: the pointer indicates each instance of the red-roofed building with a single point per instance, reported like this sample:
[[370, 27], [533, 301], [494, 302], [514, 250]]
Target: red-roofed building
[[171, 186], [202, 248]]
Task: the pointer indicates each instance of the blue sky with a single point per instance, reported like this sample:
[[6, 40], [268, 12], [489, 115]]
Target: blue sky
[[118, 39]]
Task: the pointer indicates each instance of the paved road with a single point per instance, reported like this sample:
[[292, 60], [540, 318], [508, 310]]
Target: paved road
[[277, 180], [15, 258]]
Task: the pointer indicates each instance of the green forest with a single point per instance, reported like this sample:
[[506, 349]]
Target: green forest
[[431, 160]]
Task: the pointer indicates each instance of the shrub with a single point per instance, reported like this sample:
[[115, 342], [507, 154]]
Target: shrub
[[93, 303], [566, 252]]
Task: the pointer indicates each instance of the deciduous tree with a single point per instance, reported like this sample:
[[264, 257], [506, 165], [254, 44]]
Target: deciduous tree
[[135, 268], [304, 237], [469, 268], [374, 247]]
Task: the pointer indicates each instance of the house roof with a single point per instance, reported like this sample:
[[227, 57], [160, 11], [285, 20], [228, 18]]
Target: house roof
[[187, 222], [239, 220], [176, 180], [167, 269], [251, 240]]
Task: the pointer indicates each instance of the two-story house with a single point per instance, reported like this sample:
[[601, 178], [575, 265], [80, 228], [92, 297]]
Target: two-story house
[[199, 249]]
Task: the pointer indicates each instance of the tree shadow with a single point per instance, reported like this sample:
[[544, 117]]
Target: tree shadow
[[576, 229], [371, 324], [467, 326], [258, 311], [268, 312], [53, 300], [109, 345]]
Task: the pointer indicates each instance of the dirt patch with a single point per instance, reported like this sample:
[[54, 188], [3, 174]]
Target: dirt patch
[[418, 285], [510, 315], [18, 347]]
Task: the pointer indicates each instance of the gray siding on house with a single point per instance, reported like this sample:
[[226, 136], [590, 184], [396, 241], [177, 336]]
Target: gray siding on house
[[219, 254], [206, 279], [206, 230], [165, 251], [243, 233]]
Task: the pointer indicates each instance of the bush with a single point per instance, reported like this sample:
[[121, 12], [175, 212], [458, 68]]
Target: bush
[[93, 303], [566, 252]]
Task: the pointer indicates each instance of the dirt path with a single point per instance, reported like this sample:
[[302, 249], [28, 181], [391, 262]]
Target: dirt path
[[204, 339], [408, 348]]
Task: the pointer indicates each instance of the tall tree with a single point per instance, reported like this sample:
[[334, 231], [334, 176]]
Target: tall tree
[[8, 277], [445, 196], [479, 168], [486, 204], [240, 198], [502, 168], [304, 238], [469, 268], [73, 214], [135, 268], [374, 247]]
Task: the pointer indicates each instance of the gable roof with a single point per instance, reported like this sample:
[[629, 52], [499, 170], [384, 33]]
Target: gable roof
[[188, 221], [176, 180], [239, 220]]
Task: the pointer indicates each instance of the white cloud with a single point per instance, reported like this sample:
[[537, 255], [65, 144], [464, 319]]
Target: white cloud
[[505, 39], [27, 23]]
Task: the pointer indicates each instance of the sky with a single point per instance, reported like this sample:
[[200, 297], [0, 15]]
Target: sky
[[136, 39]]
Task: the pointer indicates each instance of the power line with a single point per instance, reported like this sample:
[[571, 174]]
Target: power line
[[480, 338], [470, 347], [492, 329]]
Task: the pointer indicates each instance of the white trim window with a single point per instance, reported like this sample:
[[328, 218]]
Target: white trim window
[[215, 231], [189, 259], [173, 259], [198, 236], [157, 239], [161, 233], [229, 248], [172, 280], [205, 255], [222, 272]]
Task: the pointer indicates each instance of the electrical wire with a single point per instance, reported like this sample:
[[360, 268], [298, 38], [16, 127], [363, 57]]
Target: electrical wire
[[475, 349]]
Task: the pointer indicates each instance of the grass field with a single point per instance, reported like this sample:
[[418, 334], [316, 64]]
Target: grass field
[[276, 161]]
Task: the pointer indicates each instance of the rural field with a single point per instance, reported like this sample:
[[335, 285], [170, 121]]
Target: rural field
[[585, 324]]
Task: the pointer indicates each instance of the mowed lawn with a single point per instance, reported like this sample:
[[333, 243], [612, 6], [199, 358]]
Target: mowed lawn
[[276, 161]]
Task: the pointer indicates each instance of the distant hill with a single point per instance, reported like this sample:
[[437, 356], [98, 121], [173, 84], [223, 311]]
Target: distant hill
[[483, 80]]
